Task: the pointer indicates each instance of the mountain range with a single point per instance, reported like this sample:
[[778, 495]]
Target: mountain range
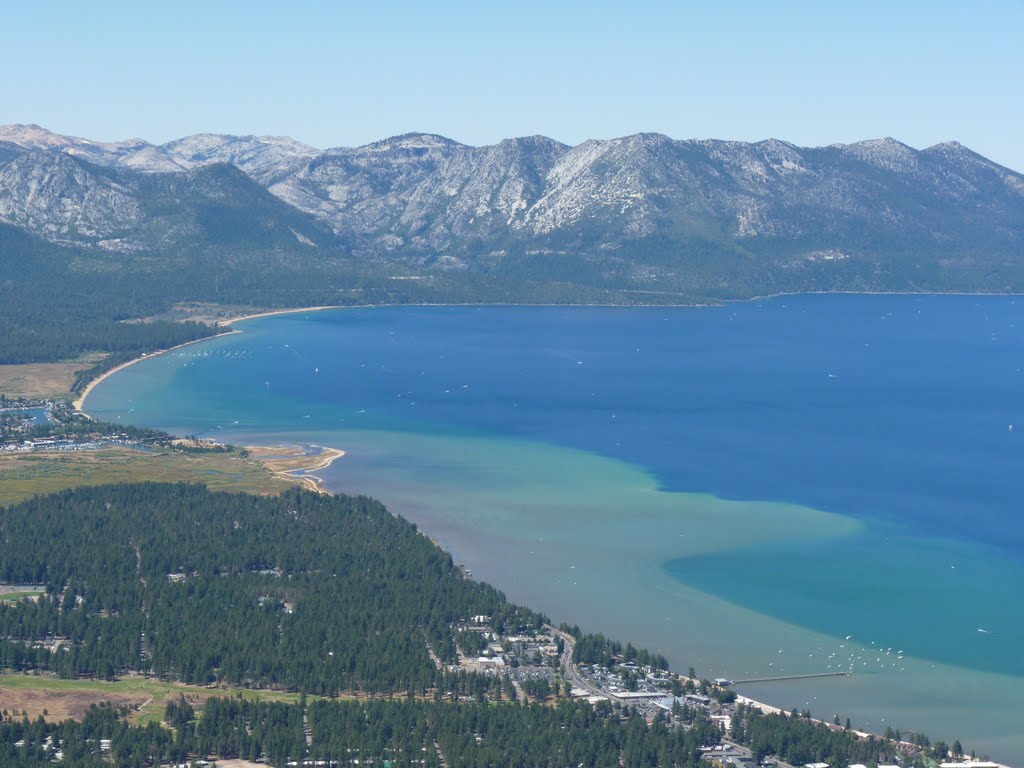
[[639, 218]]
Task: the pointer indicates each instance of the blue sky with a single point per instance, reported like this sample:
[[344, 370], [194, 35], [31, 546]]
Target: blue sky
[[343, 74]]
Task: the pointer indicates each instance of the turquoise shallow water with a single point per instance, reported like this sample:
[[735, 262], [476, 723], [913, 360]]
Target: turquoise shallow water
[[581, 458]]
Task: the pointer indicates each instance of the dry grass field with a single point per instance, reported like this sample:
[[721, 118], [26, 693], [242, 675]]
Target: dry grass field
[[43, 380], [23, 475], [148, 697]]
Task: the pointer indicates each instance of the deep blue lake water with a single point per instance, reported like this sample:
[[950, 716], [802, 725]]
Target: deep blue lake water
[[902, 417]]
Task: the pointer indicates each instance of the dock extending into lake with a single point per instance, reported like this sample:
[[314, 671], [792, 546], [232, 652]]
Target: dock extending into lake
[[792, 677]]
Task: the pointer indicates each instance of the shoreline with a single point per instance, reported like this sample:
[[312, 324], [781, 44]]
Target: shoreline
[[439, 541], [608, 305], [324, 460], [299, 474], [784, 294], [79, 402], [327, 457], [294, 310]]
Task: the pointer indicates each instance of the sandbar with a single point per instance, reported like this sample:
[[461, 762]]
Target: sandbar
[[294, 464]]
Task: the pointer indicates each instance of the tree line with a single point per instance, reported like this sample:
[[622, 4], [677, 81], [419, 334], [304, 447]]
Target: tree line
[[398, 732], [303, 591], [322, 595], [798, 740]]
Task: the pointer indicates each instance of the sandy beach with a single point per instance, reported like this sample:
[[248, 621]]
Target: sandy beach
[[294, 464], [227, 322], [79, 403], [273, 312]]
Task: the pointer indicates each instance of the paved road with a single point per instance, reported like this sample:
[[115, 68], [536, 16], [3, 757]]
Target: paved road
[[571, 674], [569, 671]]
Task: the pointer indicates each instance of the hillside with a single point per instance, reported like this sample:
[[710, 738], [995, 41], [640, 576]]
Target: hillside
[[641, 213], [305, 591], [311, 594], [94, 234]]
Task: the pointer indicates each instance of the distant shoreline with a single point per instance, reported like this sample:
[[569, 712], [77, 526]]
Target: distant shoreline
[[784, 294], [291, 311], [79, 403]]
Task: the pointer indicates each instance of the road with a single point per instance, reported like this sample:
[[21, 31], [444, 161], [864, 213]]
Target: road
[[575, 679], [569, 671]]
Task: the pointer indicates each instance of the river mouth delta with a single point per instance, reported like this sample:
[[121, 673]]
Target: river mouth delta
[[800, 485]]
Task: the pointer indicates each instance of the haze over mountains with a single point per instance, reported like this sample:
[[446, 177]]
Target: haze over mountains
[[642, 216]]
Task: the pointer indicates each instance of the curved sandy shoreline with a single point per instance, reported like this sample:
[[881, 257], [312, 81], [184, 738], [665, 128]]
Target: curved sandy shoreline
[[324, 459], [79, 403], [292, 311]]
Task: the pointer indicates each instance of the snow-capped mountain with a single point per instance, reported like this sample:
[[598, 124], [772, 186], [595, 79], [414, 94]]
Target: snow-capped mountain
[[646, 210]]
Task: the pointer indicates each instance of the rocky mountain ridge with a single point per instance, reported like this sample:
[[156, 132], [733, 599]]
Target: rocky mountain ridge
[[642, 212]]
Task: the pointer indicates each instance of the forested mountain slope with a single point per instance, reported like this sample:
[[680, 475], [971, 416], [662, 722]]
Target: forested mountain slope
[[316, 594], [93, 234], [640, 213], [310, 592]]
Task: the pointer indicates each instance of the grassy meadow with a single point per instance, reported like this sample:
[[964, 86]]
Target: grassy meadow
[[23, 475]]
